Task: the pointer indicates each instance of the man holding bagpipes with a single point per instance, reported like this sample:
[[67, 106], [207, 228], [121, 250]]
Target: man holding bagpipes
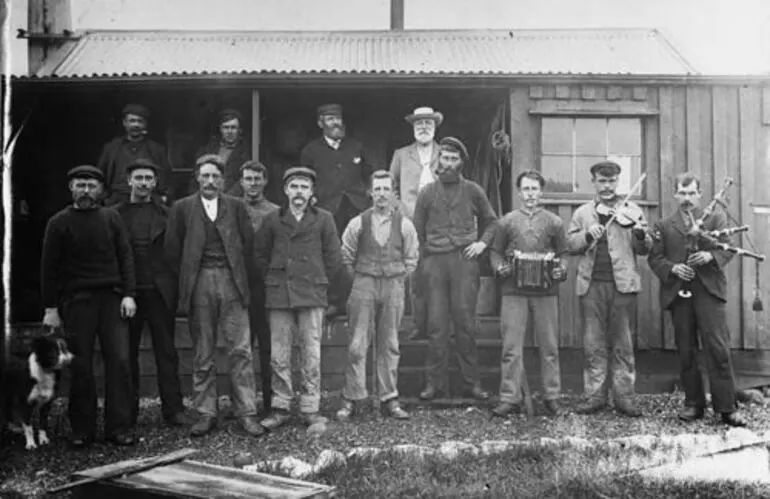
[[689, 253]]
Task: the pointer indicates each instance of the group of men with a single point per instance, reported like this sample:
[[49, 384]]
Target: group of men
[[250, 273]]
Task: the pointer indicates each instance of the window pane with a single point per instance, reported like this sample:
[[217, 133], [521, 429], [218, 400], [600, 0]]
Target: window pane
[[557, 135], [629, 173], [591, 136], [557, 171], [625, 136], [583, 165]]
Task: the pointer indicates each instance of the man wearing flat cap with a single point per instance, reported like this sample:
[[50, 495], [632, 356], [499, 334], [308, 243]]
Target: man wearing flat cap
[[297, 250], [228, 144], [88, 280], [124, 150], [413, 167], [145, 218], [341, 188], [446, 216], [209, 244], [608, 282]]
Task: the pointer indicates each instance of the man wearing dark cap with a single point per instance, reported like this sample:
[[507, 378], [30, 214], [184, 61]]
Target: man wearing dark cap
[[608, 282], [228, 144], [296, 250], [209, 244], [446, 216], [343, 177], [124, 150], [87, 275], [145, 217]]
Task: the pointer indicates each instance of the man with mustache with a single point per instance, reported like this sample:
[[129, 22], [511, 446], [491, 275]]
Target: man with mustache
[[145, 218], [297, 250], [343, 175], [229, 145], [608, 282], [379, 247], [87, 276], [414, 167], [124, 150], [209, 244], [446, 216], [253, 183], [529, 229], [702, 316]]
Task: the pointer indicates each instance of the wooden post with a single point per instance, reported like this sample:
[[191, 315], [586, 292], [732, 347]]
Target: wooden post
[[397, 14], [255, 125], [50, 17]]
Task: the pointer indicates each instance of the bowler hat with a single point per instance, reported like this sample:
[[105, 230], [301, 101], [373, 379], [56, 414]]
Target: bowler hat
[[454, 144], [606, 168], [137, 109], [229, 114], [141, 163], [425, 113], [330, 110], [299, 171], [85, 171]]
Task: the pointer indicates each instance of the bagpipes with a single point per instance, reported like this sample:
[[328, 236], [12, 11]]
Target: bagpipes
[[716, 239]]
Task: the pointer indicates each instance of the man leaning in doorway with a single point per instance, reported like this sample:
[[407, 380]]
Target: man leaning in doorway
[[228, 144], [341, 186], [413, 167]]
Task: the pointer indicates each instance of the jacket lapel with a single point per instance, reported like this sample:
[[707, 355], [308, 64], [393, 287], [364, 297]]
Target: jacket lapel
[[307, 220], [158, 223]]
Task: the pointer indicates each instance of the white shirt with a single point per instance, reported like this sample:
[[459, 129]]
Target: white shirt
[[334, 144], [426, 176], [210, 205]]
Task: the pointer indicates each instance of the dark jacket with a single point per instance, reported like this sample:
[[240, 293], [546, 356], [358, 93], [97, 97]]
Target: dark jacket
[[669, 247], [108, 164], [186, 238], [297, 258], [239, 155], [165, 279]]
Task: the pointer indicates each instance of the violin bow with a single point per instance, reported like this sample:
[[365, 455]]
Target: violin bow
[[625, 200]]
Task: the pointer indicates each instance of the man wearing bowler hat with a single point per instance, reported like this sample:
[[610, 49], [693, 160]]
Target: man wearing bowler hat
[[123, 150], [145, 219], [297, 250], [228, 144], [413, 167], [87, 276], [341, 188]]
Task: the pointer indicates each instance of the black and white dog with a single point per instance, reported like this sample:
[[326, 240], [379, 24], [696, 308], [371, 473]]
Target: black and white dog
[[30, 383]]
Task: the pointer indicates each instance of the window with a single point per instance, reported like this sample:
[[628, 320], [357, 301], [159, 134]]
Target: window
[[569, 146]]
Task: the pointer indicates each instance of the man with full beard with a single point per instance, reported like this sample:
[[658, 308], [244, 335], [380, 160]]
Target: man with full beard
[[342, 181], [87, 275], [413, 167], [124, 150]]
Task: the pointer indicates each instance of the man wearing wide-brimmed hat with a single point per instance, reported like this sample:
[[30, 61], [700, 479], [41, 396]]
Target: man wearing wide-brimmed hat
[[297, 250], [343, 178], [227, 143], [123, 150], [413, 167]]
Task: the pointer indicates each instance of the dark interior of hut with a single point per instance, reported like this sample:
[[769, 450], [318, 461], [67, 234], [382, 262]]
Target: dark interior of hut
[[66, 127]]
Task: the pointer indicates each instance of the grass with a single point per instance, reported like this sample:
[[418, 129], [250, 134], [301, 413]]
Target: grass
[[550, 473]]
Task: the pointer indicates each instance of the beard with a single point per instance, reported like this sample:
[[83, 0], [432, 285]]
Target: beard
[[449, 176], [335, 132], [424, 137], [85, 202]]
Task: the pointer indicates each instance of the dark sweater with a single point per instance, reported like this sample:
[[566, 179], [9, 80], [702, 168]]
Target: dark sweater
[[602, 262], [445, 216], [138, 220], [85, 249]]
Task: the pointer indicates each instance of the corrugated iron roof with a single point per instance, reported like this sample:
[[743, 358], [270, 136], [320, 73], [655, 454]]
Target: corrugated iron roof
[[135, 54]]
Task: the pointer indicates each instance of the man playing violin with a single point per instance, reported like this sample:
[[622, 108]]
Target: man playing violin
[[532, 230], [702, 310], [608, 232]]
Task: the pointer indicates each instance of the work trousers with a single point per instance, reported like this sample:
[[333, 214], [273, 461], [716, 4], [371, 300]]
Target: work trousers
[[702, 317], [375, 308], [514, 317], [608, 342], [88, 315], [152, 310], [260, 339], [217, 309], [418, 298], [452, 289], [308, 324]]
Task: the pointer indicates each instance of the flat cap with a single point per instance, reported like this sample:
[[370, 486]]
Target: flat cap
[[454, 144], [137, 109], [229, 114], [606, 168], [141, 163], [299, 171], [85, 171], [330, 110]]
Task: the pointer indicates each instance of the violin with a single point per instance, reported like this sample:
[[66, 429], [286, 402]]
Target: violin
[[624, 214]]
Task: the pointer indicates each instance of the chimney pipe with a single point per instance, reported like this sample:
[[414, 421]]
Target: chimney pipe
[[45, 18], [397, 15]]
